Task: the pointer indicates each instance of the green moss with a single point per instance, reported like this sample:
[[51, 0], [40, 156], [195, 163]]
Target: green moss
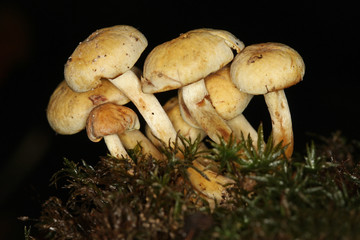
[[312, 196]]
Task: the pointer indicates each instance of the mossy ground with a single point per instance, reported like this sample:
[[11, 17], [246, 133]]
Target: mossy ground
[[313, 196]]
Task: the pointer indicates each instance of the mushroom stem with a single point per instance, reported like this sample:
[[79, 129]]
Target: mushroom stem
[[148, 106], [197, 100], [115, 146], [240, 125], [281, 120], [131, 138]]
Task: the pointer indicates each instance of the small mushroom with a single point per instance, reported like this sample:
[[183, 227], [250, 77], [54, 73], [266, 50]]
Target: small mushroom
[[110, 53], [267, 69], [67, 111], [183, 63], [107, 121]]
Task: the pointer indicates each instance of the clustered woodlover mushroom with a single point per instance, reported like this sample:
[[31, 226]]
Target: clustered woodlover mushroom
[[214, 87]]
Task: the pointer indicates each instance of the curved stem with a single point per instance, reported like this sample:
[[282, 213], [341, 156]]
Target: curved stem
[[240, 124], [197, 100], [115, 146], [281, 120], [131, 138], [148, 106]]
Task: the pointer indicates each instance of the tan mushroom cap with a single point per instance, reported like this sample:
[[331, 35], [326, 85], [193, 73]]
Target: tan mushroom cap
[[106, 53], [67, 110], [108, 119], [172, 109], [267, 67], [188, 58], [226, 98]]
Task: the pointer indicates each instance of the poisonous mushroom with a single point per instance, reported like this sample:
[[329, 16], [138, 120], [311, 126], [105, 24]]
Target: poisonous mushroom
[[229, 102], [110, 53], [183, 63], [267, 69], [67, 111], [107, 121]]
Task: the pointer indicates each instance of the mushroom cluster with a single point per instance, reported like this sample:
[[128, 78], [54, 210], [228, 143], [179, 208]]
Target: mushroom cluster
[[215, 75]]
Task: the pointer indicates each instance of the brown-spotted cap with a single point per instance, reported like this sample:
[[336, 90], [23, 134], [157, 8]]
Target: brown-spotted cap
[[266, 67], [106, 53]]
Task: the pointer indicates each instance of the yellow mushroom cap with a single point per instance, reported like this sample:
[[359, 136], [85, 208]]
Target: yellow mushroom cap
[[187, 59], [67, 110], [106, 53], [227, 100], [266, 67]]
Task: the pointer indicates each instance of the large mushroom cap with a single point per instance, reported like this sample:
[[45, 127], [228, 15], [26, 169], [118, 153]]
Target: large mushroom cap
[[266, 67], [67, 110], [227, 100], [106, 53], [188, 58]]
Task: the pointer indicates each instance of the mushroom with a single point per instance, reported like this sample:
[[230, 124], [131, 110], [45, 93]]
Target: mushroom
[[183, 63], [229, 102], [212, 189], [267, 69], [67, 111], [110, 53], [107, 121]]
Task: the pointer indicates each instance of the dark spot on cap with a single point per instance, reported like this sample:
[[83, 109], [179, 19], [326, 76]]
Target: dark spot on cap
[[254, 58]]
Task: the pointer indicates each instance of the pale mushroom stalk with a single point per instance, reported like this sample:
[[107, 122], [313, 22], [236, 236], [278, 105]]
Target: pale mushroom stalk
[[196, 99], [172, 109], [131, 138], [281, 119], [148, 106], [115, 146], [240, 125]]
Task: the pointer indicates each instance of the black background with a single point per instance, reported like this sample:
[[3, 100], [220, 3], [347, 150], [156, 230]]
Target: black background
[[37, 37]]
